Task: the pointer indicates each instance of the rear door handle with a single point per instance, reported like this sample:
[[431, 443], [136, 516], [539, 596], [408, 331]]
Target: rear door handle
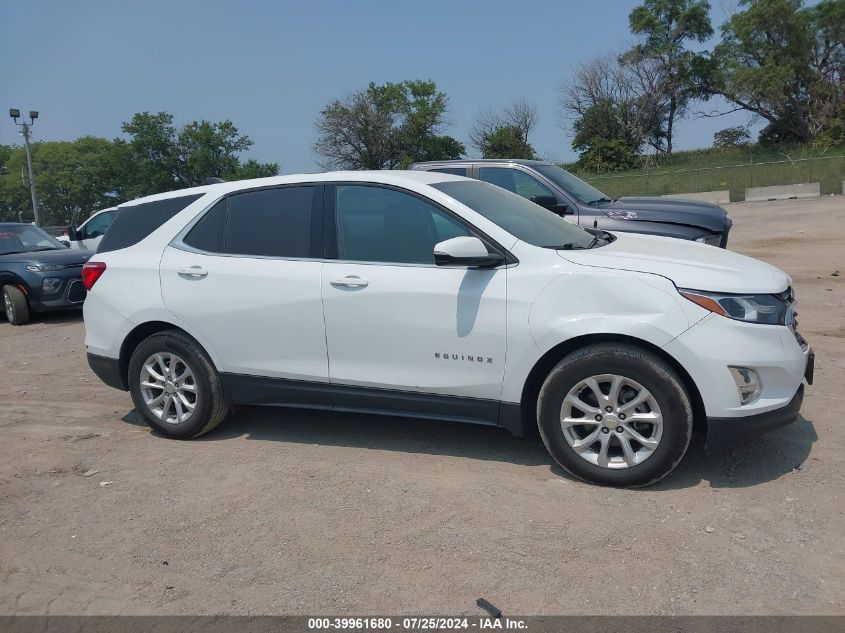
[[195, 272], [349, 282]]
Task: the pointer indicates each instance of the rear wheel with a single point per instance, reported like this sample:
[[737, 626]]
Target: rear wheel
[[15, 305], [175, 386], [615, 414]]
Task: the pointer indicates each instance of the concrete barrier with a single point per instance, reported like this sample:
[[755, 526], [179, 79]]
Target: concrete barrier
[[719, 197], [783, 192]]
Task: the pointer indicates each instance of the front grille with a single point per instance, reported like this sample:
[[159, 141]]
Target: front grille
[[76, 292]]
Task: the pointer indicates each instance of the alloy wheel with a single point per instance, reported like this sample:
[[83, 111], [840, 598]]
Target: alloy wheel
[[169, 388], [611, 421]]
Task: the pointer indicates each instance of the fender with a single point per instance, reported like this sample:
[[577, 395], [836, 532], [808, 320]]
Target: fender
[[593, 301]]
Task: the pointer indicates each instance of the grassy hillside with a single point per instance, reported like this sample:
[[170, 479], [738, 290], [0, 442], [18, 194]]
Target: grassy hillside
[[718, 169]]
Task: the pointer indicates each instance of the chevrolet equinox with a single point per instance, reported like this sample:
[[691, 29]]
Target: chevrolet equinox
[[429, 295]]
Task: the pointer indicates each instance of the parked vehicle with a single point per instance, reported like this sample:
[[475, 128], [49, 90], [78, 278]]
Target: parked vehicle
[[567, 195], [37, 272], [87, 235], [429, 295]]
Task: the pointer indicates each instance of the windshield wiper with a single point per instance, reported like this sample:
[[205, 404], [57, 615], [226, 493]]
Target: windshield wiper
[[569, 246], [602, 199]]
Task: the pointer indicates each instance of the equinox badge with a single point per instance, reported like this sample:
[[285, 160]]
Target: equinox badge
[[464, 357]]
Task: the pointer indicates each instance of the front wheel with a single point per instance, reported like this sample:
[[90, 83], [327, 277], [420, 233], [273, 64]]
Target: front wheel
[[615, 414], [15, 305], [175, 386]]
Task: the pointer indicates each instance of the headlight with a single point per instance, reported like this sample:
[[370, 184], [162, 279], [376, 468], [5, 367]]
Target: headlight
[[40, 268], [712, 240], [766, 309]]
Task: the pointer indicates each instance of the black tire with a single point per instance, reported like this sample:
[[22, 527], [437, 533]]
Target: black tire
[[15, 305], [211, 405], [636, 364]]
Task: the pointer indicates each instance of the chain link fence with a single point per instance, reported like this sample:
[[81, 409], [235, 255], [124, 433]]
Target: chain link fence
[[828, 171]]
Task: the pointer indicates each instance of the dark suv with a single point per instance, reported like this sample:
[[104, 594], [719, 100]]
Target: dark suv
[[567, 195], [37, 272]]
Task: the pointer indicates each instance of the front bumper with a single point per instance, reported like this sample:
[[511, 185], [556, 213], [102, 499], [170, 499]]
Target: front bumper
[[725, 433], [69, 294]]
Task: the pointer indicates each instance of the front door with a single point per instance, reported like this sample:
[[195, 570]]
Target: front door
[[396, 321]]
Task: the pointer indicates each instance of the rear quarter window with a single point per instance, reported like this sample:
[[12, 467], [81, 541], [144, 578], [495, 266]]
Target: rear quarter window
[[132, 224]]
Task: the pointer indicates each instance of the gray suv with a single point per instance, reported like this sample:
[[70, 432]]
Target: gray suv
[[567, 195]]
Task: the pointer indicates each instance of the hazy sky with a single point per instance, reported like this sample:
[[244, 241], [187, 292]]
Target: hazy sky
[[271, 66]]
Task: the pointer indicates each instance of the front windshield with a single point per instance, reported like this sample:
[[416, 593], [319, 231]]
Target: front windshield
[[585, 193], [521, 218], [26, 238]]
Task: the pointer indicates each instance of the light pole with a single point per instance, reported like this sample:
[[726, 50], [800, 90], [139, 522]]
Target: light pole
[[26, 132]]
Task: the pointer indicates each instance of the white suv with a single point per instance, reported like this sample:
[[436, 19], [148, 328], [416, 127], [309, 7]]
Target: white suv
[[439, 297]]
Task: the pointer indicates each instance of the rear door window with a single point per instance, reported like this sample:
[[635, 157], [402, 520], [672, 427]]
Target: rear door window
[[270, 222], [455, 171], [207, 234], [515, 181]]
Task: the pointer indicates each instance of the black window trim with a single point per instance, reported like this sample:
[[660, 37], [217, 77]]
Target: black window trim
[[330, 251], [315, 246]]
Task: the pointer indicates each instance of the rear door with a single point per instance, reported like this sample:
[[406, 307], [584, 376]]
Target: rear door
[[246, 278], [396, 321]]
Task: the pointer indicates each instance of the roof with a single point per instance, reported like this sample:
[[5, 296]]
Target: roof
[[389, 177], [470, 161]]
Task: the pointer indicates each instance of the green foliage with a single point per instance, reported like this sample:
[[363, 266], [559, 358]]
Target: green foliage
[[729, 168], [385, 126], [163, 158], [605, 155], [75, 178], [784, 63], [731, 137], [666, 26], [603, 122], [507, 141]]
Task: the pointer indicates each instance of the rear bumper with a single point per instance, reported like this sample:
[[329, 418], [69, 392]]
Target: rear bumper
[[107, 370], [725, 433]]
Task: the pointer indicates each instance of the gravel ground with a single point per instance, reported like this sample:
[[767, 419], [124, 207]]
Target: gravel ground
[[291, 512]]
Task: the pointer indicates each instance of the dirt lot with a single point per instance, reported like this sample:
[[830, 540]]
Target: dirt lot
[[295, 512]]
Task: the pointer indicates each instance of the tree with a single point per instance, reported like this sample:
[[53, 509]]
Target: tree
[[385, 127], [153, 152], [731, 137], [505, 135], [666, 26], [612, 103], [75, 178], [784, 63], [164, 158]]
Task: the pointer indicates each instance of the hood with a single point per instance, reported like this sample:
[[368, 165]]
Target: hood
[[65, 256], [705, 215], [687, 264]]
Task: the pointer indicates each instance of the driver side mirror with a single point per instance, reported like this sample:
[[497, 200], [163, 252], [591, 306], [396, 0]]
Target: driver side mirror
[[73, 233], [465, 251], [551, 203]]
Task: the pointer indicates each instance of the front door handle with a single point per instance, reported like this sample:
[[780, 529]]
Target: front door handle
[[194, 272], [351, 281]]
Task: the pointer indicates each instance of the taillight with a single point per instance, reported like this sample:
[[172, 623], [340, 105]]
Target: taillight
[[91, 272]]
